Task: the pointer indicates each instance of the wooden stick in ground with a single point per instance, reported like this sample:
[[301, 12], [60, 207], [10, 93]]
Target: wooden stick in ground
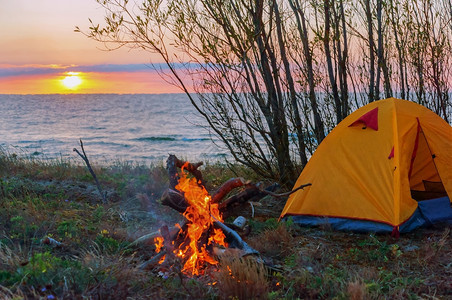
[[88, 165]]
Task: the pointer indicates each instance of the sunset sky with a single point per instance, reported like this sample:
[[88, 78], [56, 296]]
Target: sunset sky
[[41, 54]]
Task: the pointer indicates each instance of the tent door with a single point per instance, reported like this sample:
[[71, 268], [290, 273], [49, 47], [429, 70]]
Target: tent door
[[425, 182]]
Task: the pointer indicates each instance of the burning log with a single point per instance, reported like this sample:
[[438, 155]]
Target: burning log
[[171, 197], [177, 201], [204, 228]]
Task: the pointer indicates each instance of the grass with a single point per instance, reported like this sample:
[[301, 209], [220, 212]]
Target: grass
[[58, 199]]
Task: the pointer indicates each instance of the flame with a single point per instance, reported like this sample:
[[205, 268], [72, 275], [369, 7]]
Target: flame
[[200, 214], [162, 260], [158, 244]]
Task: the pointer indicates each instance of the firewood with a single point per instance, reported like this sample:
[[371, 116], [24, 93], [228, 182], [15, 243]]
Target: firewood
[[253, 192], [226, 188], [153, 261], [172, 163], [149, 238], [175, 200], [171, 168], [234, 239]]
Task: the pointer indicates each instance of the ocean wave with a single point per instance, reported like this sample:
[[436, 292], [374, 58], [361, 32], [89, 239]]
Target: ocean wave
[[41, 141], [195, 139], [155, 138], [111, 144]]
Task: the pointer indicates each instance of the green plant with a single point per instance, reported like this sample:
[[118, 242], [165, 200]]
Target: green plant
[[68, 228]]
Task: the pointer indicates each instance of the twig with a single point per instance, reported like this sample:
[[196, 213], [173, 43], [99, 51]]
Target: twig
[[252, 209], [88, 165], [287, 193]]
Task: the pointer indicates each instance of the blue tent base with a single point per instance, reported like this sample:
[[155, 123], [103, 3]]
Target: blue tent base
[[429, 212]]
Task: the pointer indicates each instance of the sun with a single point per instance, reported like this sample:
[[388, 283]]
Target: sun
[[72, 80]]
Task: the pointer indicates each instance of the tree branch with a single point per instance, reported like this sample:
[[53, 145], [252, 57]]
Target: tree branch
[[88, 165]]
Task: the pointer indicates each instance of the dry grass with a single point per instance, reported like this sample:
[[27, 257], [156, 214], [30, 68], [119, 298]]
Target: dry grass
[[274, 243], [58, 199], [241, 277], [7, 294], [356, 290]]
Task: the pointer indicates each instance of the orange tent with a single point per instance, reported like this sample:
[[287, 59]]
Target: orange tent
[[381, 169]]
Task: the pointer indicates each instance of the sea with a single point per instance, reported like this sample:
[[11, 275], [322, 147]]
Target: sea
[[132, 128]]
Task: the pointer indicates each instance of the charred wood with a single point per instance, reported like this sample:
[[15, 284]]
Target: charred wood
[[175, 200]]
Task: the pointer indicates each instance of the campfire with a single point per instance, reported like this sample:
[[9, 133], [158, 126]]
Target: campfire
[[204, 234], [200, 234]]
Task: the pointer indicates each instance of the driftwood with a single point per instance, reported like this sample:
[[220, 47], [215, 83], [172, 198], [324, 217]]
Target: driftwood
[[51, 242], [88, 165]]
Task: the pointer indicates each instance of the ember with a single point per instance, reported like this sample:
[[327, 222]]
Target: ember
[[201, 214]]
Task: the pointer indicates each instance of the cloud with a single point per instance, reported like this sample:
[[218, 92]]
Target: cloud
[[23, 70]]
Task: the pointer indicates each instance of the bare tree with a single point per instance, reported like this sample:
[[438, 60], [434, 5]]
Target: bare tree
[[272, 78]]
